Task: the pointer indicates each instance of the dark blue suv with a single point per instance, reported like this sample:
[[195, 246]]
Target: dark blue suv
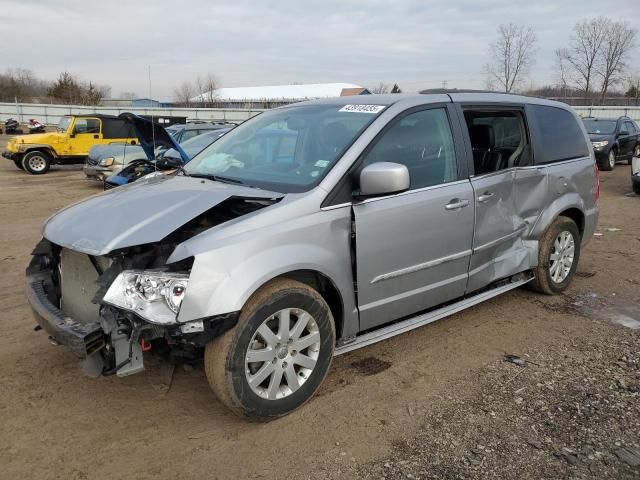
[[613, 139]]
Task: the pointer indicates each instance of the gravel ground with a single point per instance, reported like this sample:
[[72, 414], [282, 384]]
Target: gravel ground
[[571, 411]]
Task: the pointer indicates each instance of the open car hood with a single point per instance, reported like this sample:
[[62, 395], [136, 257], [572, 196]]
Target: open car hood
[[143, 212], [152, 134]]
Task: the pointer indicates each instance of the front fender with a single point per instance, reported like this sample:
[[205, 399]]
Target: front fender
[[212, 292], [39, 146], [226, 272]]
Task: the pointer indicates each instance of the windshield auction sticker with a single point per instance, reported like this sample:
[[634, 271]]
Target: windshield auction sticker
[[362, 108]]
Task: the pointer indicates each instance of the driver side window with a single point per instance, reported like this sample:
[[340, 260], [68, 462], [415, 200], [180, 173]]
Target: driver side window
[[423, 142], [87, 125]]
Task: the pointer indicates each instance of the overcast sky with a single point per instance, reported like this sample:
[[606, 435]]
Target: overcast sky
[[418, 44]]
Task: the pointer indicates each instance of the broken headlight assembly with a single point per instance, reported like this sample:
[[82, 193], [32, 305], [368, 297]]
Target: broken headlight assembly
[[154, 296]]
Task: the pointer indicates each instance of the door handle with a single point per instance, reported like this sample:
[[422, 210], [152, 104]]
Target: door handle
[[485, 197], [456, 204]]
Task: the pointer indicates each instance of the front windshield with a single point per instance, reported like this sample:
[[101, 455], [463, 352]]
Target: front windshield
[[63, 124], [286, 150], [602, 127]]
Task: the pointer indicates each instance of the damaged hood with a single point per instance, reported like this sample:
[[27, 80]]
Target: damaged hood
[[151, 135], [143, 212]]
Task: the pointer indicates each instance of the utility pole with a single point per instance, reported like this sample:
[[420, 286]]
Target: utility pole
[[444, 84]]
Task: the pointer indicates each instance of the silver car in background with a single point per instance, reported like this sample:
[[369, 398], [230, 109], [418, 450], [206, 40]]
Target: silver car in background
[[105, 160], [315, 229]]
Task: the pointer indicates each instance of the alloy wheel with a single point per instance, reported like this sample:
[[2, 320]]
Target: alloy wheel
[[282, 354], [612, 159], [37, 163], [561, 257]]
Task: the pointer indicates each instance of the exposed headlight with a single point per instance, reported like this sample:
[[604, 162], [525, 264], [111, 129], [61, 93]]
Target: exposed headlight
[[154, 296], [604, 143], [107, 162]]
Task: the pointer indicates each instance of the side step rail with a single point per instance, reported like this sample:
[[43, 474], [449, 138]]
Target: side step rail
[[426, 318]]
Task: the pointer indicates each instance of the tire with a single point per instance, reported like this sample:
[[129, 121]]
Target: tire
[[636, 187], [635, 153], [18, 163], [36, 162], [552, 281], [229, 372], [610, 162]]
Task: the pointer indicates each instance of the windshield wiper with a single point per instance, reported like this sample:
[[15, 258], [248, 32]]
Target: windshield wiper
[[216, 178]]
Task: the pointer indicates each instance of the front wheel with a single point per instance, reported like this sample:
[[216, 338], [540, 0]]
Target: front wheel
[[610, 163], [277, 355], [36, 162], [558, 255]]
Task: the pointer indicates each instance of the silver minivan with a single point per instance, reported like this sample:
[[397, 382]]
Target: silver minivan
[[315, 229]]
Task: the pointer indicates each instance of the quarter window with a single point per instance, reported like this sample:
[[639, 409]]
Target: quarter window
[[424, 143], [559, 136]]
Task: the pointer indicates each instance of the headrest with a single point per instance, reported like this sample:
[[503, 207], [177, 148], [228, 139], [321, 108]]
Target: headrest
[[482, 136]]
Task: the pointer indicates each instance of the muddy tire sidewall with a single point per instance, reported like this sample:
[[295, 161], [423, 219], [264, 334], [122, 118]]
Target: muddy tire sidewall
[[225, 355], [543, 282]]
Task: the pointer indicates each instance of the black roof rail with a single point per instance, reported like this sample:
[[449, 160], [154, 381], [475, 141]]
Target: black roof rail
[[457, 90]]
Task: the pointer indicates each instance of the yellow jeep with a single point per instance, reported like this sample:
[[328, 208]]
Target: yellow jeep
[[69, 144]]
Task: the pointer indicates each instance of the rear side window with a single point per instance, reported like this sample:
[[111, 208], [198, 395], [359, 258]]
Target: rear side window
[[558, 135]]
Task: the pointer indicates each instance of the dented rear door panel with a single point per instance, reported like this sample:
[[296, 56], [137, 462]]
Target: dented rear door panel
[[508, 205]]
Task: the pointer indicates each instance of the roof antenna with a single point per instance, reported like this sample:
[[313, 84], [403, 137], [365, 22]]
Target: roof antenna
[[153, 130]]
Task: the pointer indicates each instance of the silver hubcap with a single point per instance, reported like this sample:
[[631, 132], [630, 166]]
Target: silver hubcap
[[282, 353], [37, 163], [612, 159], [561, 258]]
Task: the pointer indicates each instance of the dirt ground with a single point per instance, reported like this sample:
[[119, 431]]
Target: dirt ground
[[439, 402]]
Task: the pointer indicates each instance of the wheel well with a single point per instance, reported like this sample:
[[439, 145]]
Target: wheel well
[[323, 285], [45, 150], [577, 216]]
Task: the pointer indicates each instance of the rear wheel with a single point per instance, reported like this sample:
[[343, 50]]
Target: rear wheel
[[277, 355], [636, 153], [558, 255], [36, 162]]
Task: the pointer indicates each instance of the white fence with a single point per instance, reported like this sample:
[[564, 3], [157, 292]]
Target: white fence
[[50, 114], [610, 112]]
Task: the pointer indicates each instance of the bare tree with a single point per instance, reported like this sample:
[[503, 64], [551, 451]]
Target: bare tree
[[618, 41], [184, 93], [633, 81], [208, 84], [584, 51], [381, 88], [562, 70], [512, 54]]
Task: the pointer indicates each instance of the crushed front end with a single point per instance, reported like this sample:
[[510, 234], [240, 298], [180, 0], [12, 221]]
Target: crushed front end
[[110, 309]]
